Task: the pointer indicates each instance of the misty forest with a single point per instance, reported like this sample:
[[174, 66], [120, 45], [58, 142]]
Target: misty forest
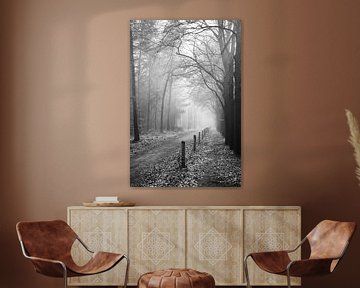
[[185, 103]]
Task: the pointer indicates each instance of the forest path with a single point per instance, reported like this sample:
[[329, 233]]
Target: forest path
[[155, 162], [145, 160]]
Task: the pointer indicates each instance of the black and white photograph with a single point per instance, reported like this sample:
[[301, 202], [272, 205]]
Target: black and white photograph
[[185, 103]]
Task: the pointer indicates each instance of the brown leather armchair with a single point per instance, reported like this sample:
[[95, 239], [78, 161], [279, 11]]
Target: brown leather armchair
[[328, 242], [48, 245]]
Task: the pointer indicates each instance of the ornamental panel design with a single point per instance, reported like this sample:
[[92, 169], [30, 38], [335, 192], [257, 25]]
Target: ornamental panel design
[[156, 246], [100, 230], [214, 244], [270, 230], [156, 241]]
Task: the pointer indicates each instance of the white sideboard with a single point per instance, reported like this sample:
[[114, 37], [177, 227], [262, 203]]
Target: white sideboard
[[212, 239]]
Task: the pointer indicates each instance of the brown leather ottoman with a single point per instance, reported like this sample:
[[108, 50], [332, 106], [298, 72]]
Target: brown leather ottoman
[[176, 278]]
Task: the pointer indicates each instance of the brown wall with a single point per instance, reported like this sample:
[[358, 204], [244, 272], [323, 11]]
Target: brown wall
[[65, 112]]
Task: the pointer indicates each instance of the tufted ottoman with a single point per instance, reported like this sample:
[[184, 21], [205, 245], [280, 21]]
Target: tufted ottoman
[[176, 278]]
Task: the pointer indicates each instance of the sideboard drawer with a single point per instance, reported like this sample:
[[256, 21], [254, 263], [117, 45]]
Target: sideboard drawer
[[156, 240], [101, 230]]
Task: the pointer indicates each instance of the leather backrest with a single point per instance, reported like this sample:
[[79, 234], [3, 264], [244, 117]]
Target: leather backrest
[[329, 238], [46, 239]]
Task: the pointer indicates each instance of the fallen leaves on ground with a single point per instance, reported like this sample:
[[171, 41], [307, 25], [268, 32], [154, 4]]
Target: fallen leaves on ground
[[212, 165], [150, 141]]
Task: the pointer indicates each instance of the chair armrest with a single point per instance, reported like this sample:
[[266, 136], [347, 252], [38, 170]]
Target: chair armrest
[[271, 261], [280, 251], [48, 267], [269, 252], [298, 246], [84, 245], [309, 267], [45, 260]]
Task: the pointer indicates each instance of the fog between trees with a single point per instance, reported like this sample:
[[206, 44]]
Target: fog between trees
[[185, 75]]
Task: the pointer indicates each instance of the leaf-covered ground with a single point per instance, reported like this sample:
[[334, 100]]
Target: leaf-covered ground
[[151, 141], [212, 165]]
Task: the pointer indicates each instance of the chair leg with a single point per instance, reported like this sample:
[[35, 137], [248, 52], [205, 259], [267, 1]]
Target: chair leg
[[126, 271], [246, 272], [65, 276], [288, 278]]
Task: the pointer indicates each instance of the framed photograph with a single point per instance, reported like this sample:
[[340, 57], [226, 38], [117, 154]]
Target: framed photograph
[[185, 103]]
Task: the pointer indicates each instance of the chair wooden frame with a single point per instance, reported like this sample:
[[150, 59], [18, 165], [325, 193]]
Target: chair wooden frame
[[58, 268], [315, 265]]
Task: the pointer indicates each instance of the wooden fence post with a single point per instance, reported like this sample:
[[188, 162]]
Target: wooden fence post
[[182, 154], [199, 137], [194, 142]]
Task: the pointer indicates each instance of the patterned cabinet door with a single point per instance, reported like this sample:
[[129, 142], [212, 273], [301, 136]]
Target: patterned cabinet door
[[101, 230], [214, 244], [156, 240], [270, 230]]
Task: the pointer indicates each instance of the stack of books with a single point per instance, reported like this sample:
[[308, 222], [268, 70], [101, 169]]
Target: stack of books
[[106, 199]]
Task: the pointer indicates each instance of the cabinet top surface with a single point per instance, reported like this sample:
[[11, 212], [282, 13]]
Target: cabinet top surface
[[192, 207]]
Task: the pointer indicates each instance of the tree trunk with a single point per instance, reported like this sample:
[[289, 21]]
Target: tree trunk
[[228, 94], [156, 110], [169, 104], [229, 109], [162, 104], [138, 80], [133, 90], [237, 101], [148, 101]]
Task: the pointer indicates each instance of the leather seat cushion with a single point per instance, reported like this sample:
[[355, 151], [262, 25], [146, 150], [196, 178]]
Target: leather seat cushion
[[176, 278]]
